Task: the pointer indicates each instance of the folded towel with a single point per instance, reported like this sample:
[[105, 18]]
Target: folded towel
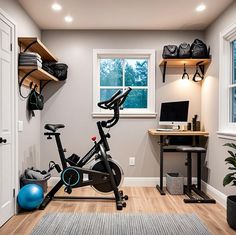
[[29, 54]]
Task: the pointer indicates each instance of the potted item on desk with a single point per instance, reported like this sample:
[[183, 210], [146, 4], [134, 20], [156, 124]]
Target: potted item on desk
[[231, 178], [195, 123]]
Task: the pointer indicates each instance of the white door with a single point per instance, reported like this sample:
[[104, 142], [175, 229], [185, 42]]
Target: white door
[[6, 124]]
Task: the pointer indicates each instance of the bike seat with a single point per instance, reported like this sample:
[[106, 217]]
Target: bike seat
[[53, 127]]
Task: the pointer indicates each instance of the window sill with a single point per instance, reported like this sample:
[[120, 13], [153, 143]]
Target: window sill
[[226, 135], [126, 115]]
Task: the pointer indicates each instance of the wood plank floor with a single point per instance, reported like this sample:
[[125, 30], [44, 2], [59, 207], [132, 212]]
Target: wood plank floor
[[141, 199]]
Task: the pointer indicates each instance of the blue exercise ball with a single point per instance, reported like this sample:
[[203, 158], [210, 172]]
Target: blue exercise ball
[[30, 196]]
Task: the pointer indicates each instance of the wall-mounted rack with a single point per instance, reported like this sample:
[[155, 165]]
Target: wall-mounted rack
[[179, 63], [35, 74], [35, 45]]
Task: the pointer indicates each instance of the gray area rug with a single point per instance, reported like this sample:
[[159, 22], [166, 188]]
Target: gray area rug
[[120, 224]]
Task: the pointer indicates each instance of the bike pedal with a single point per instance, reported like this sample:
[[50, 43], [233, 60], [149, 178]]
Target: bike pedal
[[68, 190]]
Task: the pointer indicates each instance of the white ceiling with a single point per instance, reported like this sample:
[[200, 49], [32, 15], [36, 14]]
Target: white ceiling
[[125, 14]]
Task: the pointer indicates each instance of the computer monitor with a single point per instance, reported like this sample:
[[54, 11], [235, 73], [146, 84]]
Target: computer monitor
[[174, 113]]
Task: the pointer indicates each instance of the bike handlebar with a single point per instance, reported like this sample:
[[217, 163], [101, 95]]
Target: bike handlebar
[[117, 98], [120, 99], [114, 103], [104, 104]]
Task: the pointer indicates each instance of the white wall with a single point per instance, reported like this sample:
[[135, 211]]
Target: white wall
[[71, 103], [210, 104], [29, 139]]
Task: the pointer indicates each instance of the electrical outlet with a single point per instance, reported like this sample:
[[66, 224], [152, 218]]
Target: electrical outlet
[[132, 161], [20, 126]]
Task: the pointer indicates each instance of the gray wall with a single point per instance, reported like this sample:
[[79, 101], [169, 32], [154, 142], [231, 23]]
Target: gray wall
[[71, 103], [210, 104], [29, 139]]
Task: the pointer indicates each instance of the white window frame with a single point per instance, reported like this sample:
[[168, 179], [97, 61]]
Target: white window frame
[[227, 129], [124, 53]]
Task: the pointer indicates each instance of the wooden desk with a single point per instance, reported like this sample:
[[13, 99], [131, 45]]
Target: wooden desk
[[177, 133], [162, 134]]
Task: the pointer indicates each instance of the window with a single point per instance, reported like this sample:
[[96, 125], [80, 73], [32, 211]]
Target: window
[[119, 69], [227, 108], [233, 85]]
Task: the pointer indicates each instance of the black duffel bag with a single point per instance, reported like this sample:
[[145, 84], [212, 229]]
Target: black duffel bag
[[199, 49], [184, 50], [60, 71], [47, 66], [35, 101], [170, 51]]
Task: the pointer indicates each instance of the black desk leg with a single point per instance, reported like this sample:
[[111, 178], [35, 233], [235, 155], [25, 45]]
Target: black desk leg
[[199, 171], [160, 188], [189, 172], [203, 197]]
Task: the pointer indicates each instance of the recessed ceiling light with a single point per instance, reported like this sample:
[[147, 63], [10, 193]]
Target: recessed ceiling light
[[201, 7], [56, 7], [68, 19]]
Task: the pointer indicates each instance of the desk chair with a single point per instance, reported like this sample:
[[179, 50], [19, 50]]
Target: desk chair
[[188, 189]]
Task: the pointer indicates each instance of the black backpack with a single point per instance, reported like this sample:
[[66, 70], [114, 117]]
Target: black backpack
[[184, 50], [35, 101], [199, 49], [170, 51], [60, 71]]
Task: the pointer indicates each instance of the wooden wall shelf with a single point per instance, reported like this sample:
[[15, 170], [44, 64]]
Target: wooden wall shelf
[[35, 45], [35, 74], [38, 74], [179, 63]]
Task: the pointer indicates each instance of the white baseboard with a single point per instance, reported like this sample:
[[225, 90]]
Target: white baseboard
[[142, 181], [130, 181], [153, 181], [214, 193], [147, 181]]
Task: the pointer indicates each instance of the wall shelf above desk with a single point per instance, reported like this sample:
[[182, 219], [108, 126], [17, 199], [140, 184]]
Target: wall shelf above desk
[[179, 63]]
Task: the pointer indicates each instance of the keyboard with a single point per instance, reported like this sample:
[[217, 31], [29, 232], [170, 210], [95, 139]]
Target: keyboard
[[165, 129]]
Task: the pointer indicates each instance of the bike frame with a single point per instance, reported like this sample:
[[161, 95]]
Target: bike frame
[[94, 150], [101, 147]]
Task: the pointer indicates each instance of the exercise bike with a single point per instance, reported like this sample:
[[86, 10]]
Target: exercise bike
[[96, 168]]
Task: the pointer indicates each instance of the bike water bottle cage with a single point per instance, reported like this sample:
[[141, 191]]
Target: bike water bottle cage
[[53, 127]]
